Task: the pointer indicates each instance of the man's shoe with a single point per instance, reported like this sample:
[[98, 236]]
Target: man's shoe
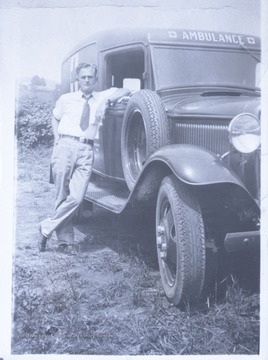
[[67, 249], [42, 241]]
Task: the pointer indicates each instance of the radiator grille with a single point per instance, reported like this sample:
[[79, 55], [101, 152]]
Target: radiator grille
[[213, 137]]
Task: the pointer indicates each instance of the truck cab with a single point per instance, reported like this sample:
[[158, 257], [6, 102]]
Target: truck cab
[[185, 143]]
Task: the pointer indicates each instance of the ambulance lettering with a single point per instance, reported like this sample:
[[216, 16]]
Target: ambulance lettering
[[216, 37]]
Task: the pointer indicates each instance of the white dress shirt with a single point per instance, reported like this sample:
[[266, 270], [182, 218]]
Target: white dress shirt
[[69, 107]]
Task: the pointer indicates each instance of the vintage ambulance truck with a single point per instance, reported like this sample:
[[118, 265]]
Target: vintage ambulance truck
[[185, 144]]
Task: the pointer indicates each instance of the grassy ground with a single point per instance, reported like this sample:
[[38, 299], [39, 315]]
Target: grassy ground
[[108, 298]]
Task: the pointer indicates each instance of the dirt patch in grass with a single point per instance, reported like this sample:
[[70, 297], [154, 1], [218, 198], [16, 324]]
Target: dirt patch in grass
[[108, 298]]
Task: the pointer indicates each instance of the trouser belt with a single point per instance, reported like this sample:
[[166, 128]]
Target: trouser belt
[[77, 138]]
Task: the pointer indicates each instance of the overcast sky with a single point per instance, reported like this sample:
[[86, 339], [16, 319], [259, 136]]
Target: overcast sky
[[40, 33]]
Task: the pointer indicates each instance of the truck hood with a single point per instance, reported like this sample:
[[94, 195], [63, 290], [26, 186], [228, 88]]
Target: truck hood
[[210, 103]]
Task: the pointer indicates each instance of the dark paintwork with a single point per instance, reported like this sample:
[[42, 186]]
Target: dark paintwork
[[206, 104], [179, 104], [109, 39], [195, 165]]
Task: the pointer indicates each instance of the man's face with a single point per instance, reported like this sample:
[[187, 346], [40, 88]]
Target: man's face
[[87, 80]]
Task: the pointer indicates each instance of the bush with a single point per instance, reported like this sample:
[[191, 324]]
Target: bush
[[33, 122]]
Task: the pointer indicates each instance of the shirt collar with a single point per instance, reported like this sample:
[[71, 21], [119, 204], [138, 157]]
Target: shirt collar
[[82, 95]]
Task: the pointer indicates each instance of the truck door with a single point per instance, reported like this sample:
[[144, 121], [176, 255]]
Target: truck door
[[124, 67]]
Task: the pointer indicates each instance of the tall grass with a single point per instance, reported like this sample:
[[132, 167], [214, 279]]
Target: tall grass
[[108, 299]]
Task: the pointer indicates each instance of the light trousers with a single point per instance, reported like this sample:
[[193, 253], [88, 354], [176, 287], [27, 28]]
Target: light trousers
[[71, 163]]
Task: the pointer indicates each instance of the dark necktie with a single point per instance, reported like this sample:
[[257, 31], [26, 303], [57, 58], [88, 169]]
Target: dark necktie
[[84, 122]]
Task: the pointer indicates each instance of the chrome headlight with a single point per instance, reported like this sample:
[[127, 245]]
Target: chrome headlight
[[245, 133]]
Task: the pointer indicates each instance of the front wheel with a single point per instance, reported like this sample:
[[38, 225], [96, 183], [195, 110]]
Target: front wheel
[[180, 242]]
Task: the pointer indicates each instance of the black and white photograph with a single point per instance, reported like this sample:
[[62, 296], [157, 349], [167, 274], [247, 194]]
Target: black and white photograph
[[133, 179]]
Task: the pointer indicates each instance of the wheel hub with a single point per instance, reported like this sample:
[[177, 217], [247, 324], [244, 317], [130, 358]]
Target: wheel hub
[[162, 241]]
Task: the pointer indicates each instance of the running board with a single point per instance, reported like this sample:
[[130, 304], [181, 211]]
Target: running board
[[113, 197]]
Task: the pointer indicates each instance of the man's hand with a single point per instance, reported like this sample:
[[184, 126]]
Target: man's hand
[[123, 98]]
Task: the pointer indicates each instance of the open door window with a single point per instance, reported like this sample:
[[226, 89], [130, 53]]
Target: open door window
[[126, 68]]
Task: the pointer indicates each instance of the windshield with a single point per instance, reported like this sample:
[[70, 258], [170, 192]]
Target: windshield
[[177, 67]]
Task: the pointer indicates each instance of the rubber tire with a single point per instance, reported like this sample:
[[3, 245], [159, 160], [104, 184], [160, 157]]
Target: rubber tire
[[178, 212], [145, 129]]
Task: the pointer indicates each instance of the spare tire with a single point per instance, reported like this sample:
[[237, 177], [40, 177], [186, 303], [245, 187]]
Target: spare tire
[[145, 129]]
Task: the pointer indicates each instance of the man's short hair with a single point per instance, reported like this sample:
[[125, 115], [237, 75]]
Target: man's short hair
[[84, 66]]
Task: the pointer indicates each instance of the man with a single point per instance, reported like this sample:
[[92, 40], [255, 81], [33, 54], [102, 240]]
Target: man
[[74, 126]]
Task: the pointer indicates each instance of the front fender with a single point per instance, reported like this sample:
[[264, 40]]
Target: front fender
[[195, 165], [191, 164]]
